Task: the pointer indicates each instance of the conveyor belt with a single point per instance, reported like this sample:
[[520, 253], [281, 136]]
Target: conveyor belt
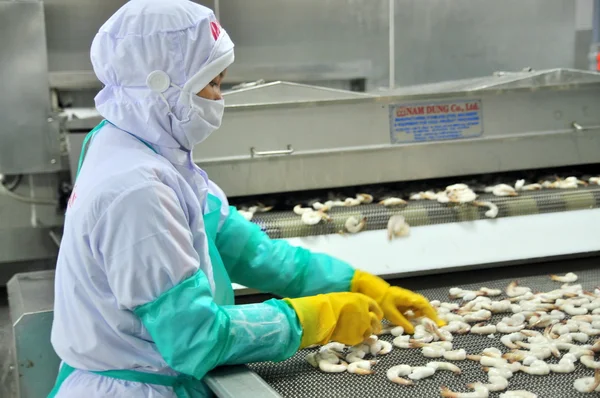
[[296, 378], [286, 224]]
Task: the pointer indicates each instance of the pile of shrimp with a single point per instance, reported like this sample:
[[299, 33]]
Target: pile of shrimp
[[536, 326]]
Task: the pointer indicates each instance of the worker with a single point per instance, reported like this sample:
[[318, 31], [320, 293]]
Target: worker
[[143, 300]]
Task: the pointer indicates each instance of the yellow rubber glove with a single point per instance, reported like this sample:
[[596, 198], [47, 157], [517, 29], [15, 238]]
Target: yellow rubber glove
[[348, 318], [394, 301]]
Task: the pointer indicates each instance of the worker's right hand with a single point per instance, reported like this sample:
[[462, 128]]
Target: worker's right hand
[[348, 318]]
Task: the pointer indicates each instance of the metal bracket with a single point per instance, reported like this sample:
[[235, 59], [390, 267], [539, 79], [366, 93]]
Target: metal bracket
[[288, 151], [579, 127]]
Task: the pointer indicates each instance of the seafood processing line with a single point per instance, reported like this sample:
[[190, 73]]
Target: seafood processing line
[[286, 150]]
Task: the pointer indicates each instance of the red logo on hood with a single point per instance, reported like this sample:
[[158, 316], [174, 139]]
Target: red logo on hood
[[215, 29]]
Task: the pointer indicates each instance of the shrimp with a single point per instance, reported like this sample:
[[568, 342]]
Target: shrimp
[[432, 352], [497, 306], [313, 359], [514, 290], [572, 310], [457, 327], [568, 278], [493, 209], [333, 346], [314, 217], [479, 391], [478, 316], [354, 225], [361, 367], [392, 202], [588, 360], [456, 355], [402, 342], [299, 210], [502, 327], [565, 365], [397, 227], [393, 374], [350, 202], [364, 198], [329, 367], [588, 384], [490, 292], [356, 354], [432, 328], [538, 368], [482, 328], [496, 383], [518, 394], [509, 339], [502, 190], [503, 372], [444, 366], [386, 348], [421, 372]]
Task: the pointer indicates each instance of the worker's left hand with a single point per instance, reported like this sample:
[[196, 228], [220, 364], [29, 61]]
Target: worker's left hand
[[393, 300]]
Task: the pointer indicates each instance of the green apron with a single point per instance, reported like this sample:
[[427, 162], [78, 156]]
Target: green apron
[[184, 386]]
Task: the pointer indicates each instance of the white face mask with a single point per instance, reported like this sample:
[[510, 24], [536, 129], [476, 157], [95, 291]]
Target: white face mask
[[203, 117]]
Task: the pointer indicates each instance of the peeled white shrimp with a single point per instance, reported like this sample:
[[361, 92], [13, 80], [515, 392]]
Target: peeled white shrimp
[[333, 346], [393, 330], [329, 367], [361, 367], [397, 227], [451, 317], [450, 306], [565, 365], [568, 278], [444, 366], [492, 352], [502, 190], [432, 352], [364, 198], [509, 339], [299, 210], [478, 316], [479, 391], [455, 355], [490, 292], [497, 306], [493, 209], [246, 214], [496, 383], [588, 384], [588, 360], [386, 348], [457, 327], [350, 202], [482, 328], [518, 394], [588, 329], [313, 217], [514, 290], [429, 195], [503, 372], [445, 345], [580, 351], [519, 184], [394, 373], [586, 318], [402, 342], [354, 225], [355, 356], [572, 310], [421, 372], [502, 327], [538, 368], [392, 202]]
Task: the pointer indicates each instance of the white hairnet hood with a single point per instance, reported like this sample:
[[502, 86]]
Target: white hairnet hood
[[179, 37]]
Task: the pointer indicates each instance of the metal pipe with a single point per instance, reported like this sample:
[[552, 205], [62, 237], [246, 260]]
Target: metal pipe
[[217, 10], [391, 39], [595, 46]]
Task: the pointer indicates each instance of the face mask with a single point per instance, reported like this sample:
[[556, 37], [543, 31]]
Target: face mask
[[203, 116]]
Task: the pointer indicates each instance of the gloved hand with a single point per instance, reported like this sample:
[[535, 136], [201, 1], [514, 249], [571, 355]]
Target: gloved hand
[[348, 318], [394, 301]]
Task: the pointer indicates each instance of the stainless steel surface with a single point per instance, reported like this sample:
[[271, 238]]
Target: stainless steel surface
[[28, 136], [296, 378], [285, 92], [288, 151], [526, 120], [238, 381], [31, 299]]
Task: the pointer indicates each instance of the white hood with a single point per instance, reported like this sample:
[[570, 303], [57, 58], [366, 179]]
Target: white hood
[[179, 37]]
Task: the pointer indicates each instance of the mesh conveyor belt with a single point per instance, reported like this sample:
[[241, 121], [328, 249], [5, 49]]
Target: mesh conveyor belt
[[296, 378], [425, 212]]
